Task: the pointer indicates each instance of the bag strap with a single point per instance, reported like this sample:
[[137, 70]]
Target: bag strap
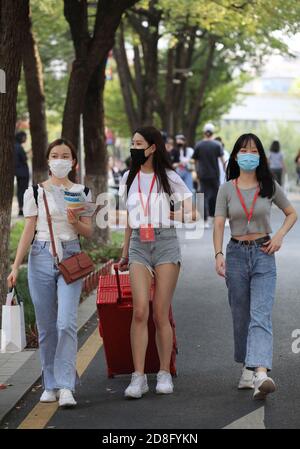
[[49, 224], [35, 189]]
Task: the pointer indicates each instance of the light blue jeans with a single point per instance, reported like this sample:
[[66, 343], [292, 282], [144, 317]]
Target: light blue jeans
[[186, 176], [56, 306], [251, 281]]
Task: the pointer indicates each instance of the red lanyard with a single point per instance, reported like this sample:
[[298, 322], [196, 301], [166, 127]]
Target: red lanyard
[[250, 213], [146, 209]]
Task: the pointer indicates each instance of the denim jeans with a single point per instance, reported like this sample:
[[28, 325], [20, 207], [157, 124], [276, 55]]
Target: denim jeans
[[251, 280], [187, 177], [56, 306]]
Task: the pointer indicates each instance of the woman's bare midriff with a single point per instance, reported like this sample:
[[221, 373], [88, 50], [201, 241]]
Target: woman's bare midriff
[[249, 236]]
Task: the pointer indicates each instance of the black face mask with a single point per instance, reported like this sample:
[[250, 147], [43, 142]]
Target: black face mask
[[138, 156]]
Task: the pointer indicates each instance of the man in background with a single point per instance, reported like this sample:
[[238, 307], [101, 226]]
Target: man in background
[[21, 168], [206, 155]]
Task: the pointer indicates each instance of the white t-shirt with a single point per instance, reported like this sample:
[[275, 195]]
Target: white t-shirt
[[226, 156], [62, 229], [159, 203], [188, 156], [275, 160]]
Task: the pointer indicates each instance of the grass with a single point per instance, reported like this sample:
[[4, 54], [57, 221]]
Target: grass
[[15, 235], [113, 250], [30, 322]]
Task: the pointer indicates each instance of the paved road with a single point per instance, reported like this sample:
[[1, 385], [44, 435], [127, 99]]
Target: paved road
[[205, 389]]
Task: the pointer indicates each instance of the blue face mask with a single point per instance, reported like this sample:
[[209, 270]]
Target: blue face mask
[[248, 161]]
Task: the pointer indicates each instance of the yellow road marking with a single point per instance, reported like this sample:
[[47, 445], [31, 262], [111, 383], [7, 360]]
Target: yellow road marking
[[41, 414]]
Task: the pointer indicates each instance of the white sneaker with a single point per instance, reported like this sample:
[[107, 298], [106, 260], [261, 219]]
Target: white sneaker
[[263, 386], [164, 383], [137, 387], [48, 396], [246, 380], [66, 398], [206, 225], [211, 221]]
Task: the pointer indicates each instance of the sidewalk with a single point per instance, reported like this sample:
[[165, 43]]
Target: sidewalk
[[20, 370]]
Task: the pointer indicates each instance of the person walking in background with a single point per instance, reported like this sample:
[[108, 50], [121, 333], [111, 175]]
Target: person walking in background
[[276, 161], [21, 168], [207, 153], [250, 268], [297, 162], [183, 162], [226, 158], [170, 147], [55, 302]]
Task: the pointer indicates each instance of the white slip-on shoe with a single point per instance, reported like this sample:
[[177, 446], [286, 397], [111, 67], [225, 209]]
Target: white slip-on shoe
[[66, 398], [164, 383], [137, 387], [48, 396], [263, 385], [247, 379]]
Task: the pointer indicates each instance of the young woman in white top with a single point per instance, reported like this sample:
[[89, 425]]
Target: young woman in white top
[[151, 248], [183, 161], [55, 302], [276, 162]]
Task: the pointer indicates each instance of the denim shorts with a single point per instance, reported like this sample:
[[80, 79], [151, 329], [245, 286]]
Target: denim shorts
[[165, 249]]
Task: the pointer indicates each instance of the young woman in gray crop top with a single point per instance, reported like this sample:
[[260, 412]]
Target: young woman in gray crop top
[[250, 271]]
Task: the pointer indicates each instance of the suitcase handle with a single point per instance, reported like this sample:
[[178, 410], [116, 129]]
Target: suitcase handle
[[116, 268]]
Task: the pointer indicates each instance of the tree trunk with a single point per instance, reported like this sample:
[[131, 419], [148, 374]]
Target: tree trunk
[[194, 113], [126, 81], [90, 52], [13, 14], [95, 143], [146, 83], [36, 104]]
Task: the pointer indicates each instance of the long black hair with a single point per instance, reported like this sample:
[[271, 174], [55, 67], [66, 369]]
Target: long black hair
[[161, 161], [263, 173], [275, 147]]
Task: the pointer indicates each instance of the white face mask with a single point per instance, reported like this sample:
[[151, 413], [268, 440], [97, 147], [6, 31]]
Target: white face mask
[[60, 167]]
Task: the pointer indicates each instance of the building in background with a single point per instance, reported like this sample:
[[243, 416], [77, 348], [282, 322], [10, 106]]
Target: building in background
[[272, 97]]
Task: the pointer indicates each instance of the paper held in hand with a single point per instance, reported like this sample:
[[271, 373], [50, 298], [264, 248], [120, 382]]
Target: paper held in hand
[[76, 201]]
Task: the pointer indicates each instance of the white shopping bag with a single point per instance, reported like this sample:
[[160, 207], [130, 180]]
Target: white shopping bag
[[13, 337]]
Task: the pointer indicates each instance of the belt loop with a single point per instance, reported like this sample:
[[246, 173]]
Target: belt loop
[[44, 244]]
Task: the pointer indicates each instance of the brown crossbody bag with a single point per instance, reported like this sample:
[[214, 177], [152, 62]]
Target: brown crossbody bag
[[75, 267]]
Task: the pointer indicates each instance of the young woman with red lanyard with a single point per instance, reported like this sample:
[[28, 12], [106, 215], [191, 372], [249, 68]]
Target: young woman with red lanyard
[[250, 271], [151, 248]]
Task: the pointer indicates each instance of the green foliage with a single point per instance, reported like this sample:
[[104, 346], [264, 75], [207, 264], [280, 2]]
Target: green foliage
[[103, 253], [23, 290], [244, 32], [56, 51], [15, 235], [115, 115]]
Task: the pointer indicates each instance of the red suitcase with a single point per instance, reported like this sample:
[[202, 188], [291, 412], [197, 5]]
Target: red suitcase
[[114, 305]]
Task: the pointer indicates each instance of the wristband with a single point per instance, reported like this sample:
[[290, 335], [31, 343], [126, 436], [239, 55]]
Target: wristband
[[219, 252]]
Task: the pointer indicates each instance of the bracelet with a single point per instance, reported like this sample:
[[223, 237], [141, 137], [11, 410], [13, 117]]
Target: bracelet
[[220, 252]]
